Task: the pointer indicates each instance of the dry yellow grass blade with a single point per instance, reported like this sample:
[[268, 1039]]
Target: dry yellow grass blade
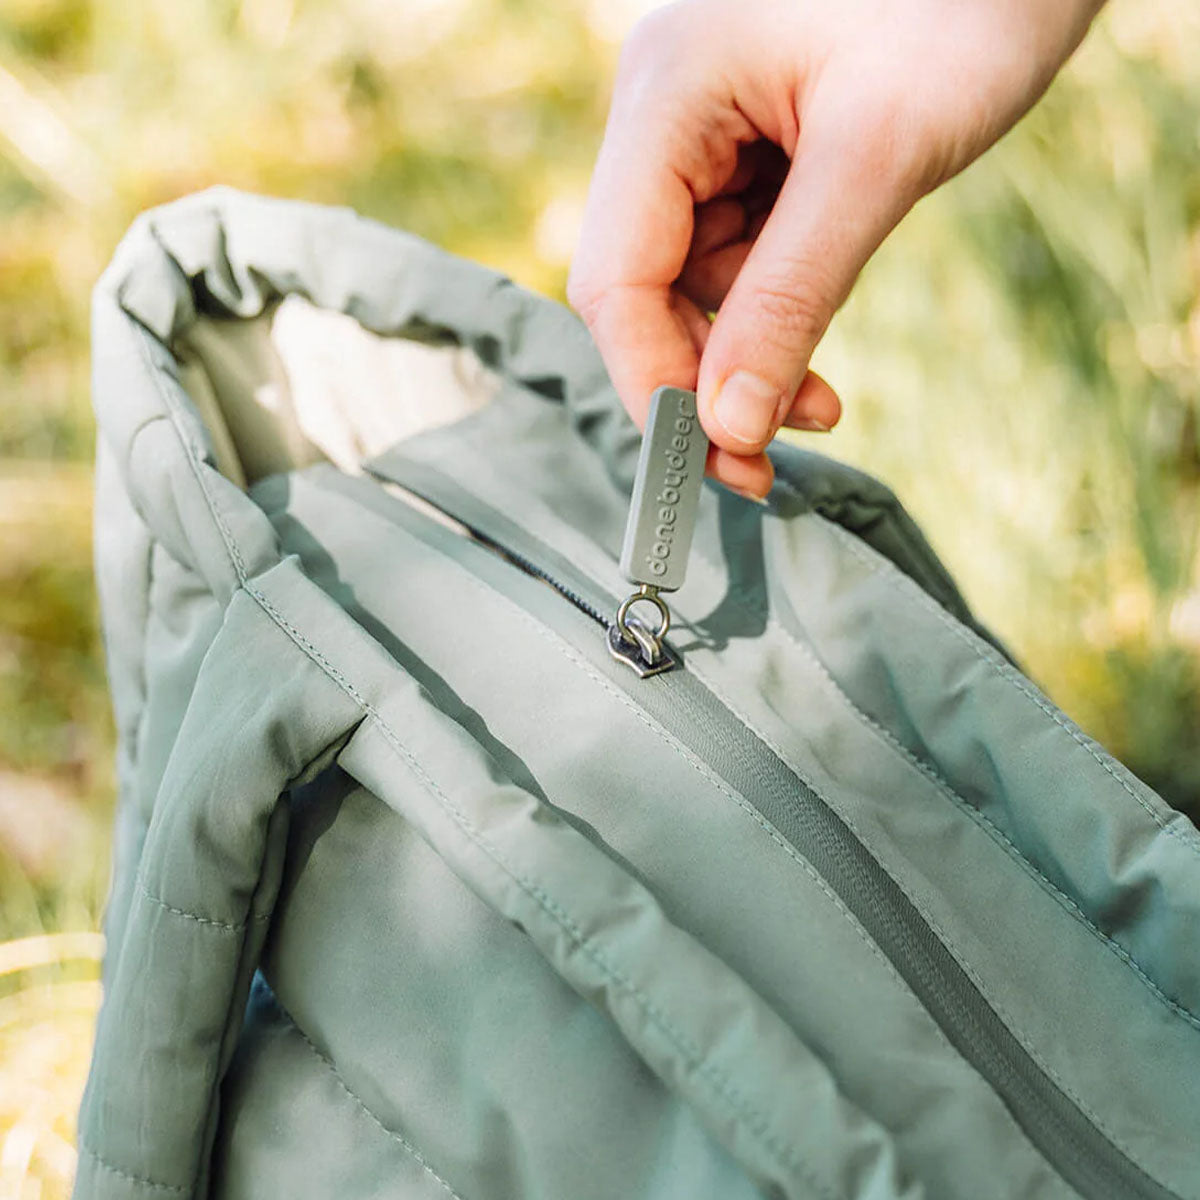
[[49, 949]]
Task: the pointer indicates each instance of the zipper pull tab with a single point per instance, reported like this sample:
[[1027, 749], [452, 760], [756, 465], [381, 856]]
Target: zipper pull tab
[[662, 519]]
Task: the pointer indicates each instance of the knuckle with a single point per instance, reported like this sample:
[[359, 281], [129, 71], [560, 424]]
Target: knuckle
[[584, 296], [791, 314]]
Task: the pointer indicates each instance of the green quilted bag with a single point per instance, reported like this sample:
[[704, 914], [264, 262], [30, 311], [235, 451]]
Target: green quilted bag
[[419, 892]]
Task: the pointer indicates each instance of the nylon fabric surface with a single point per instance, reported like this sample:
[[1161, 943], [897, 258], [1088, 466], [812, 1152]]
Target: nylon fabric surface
[[417, 893]]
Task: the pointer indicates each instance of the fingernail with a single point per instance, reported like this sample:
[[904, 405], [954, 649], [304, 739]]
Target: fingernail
[[746, 407], [812, 424], [759, 500]]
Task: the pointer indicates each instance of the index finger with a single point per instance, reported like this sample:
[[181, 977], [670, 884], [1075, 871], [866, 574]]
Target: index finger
[[634, 240], [636, 235]]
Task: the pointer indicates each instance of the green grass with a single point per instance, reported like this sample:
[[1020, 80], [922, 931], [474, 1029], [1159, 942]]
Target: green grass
[[1021, 363]]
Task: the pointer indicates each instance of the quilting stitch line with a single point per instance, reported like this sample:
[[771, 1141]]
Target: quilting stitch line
[[960, 959], [234, 552], [214, 508], [546, 634], [1083, 1108], [331, 1066], [121, 1173], [1187, 835], [1014, 1078], [931, 773], [754, 1121], [929, 770], [198, 918]]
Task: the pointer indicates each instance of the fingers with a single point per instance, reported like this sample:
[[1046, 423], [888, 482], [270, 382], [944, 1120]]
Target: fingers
[[725, 228], [761, 167], [695, 207], [693, 320], [834, 209], [714, 262], [748, 474], [719, 247], [636, 231], [715, 225], [816, 407], [669, 144], [649, 336], [692, 210]]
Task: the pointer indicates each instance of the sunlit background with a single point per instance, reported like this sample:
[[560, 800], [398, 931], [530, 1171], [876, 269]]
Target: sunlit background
[[1021, 363]]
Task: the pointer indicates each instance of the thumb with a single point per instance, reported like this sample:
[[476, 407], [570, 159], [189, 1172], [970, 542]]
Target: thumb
[[831, 214]]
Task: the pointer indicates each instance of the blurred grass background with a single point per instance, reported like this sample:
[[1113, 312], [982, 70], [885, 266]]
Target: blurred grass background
[[1021, 362]]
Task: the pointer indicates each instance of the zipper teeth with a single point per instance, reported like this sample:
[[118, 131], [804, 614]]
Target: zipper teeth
[[974, 1029], [533, 569], [1081, 1153]]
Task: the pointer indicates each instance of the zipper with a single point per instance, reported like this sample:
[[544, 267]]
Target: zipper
[[629, 641], [1067, 1138]]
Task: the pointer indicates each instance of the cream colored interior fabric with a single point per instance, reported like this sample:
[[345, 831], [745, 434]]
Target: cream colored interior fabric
[[300, 384]]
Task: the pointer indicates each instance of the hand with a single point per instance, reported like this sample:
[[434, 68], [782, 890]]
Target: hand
[[757, 153]]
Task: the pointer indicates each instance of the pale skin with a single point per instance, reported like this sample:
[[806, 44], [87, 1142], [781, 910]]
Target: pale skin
[[757, 153]]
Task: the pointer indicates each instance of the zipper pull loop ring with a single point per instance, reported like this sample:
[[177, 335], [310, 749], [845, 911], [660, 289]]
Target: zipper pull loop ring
[[650, 640]]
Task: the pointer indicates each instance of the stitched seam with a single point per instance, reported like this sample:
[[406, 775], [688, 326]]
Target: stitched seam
[[1187, 835], [953, 948], [702, 1069], [719, 1081], [753, 1120], [1006, 671], [730, 1096], [142, 338], [231, 546], [239, 566], [1084, 1107], [113, 1169], [902, 525], [930, 772], [358, 1100], [212, 922], [545, 633]]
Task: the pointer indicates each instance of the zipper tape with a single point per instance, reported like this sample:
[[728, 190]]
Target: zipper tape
[[1054, 1123]]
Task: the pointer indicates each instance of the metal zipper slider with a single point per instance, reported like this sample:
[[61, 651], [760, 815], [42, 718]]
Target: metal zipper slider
[[662, 519], [636, 644]]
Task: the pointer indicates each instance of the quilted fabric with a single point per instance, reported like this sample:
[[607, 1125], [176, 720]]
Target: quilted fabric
[[417, 892]]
